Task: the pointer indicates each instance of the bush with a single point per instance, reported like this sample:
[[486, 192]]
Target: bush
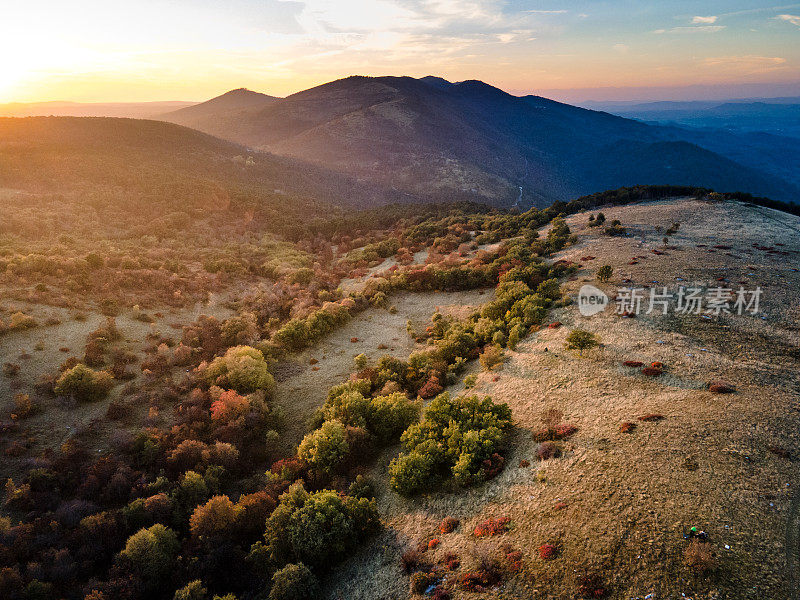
[[326, 447], [193, 590], [616, 229], [243, 369], [492, 357], [150, 555], [318, 528], [20, 320], [492, 527], [604, 273], [457, 437], [448, 525], [84, 384], [581, 340], [294, 582]]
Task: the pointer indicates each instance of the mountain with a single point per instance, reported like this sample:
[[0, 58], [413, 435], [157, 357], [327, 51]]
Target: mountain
[[141, 169], [216, 115], [778, 116], [132, 110], [441, 140]]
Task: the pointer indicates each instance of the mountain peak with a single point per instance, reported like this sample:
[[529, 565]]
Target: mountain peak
[[437, 82]]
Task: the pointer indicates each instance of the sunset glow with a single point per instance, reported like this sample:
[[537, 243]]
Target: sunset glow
[[149, 50]]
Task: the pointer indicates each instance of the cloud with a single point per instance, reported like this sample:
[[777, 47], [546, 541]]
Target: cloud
[[621, 48], [745, 65], [708, 20], [696, 29], [793, 19]]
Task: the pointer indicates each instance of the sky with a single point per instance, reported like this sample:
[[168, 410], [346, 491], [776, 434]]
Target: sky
[[154, 50]]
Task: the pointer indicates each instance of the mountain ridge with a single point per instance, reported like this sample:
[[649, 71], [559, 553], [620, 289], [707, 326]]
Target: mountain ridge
[[470, 140]]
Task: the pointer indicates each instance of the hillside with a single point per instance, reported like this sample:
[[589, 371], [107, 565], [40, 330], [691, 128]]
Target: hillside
[[616, 503], [386, 382], [469, 140], [140, 169], [215, 116]]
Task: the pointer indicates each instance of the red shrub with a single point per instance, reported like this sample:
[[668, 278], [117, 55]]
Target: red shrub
[[491, 467], [451, 561], [524, 463], [514, 558], [547, 450], [229, 406], [440, 594], [492, 527], [548, 551], [448, 525], [353, 339], [288, 468], [431, 388], [486, 576], [433, 543], [652, 371], [651, 417], [565, 430], [560, 505], [554, 325], [591, 586], [633, 363], [627, 427]]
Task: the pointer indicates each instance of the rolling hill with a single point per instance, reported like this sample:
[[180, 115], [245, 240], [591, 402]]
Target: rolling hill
[[148, 167], [440, 140], [221, 112]]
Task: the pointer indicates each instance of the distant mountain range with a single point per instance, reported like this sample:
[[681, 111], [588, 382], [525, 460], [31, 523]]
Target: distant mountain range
[[131, 110], [367, 140], [430, 138], [779, 116]]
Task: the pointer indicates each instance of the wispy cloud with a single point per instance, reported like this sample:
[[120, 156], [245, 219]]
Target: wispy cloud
[[793, 19], [695, 29], [745, 65], [708, 20]]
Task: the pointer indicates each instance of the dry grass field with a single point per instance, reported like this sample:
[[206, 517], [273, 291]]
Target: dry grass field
[[617, 504]]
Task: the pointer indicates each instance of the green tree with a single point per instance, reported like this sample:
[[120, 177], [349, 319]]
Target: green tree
[[604, 273], [193, 590], [150, 554], [326, 447], [581, 340], [294, 582], [84, 384], [243, 369]]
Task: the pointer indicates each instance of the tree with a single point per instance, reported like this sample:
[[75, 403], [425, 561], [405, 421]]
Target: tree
[[150, 554], [215, 517], [84, 384], [326, 447], [294, 582], [193, 590], [243, 369], [604, 273], [581, 340], [319, 528]]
